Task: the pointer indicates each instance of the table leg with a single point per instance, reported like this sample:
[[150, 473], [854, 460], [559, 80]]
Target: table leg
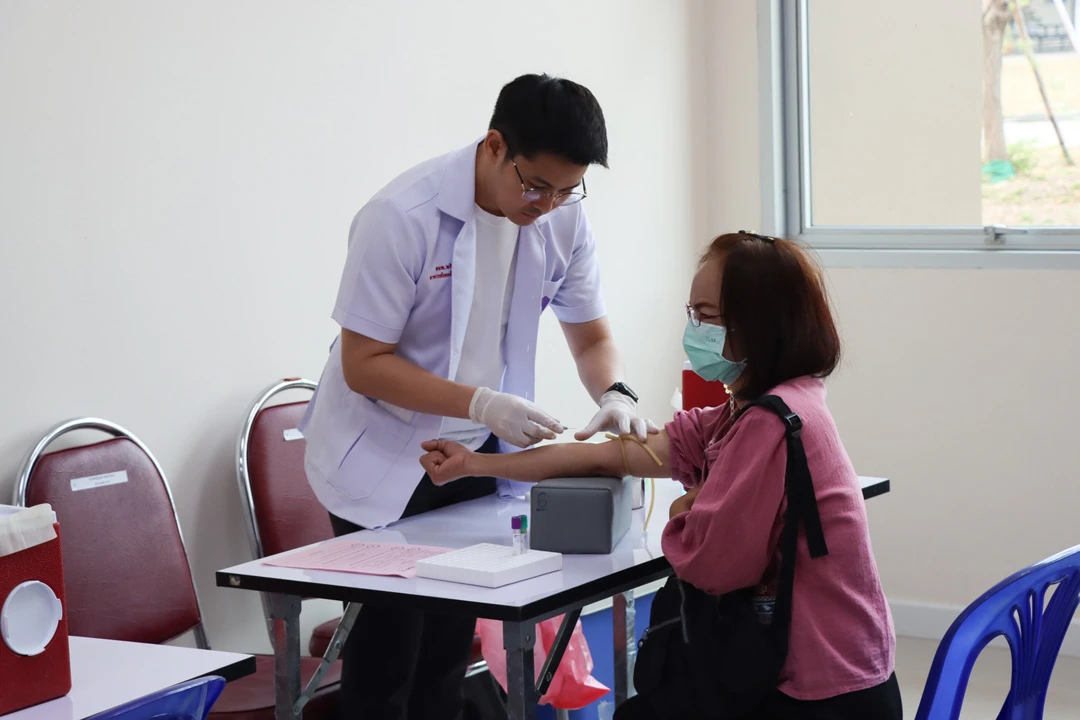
[[337, 641], [518, 640], [622, 615], [285, 614], [555, 654]]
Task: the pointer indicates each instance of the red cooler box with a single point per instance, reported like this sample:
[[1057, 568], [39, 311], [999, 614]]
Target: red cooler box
[[34, 662], [698, 393]]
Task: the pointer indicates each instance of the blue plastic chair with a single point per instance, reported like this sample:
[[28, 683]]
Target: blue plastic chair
[[190, 700], [1015, 608]]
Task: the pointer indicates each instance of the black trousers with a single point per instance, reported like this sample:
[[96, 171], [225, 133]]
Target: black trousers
[[403, 664], [881, 702]]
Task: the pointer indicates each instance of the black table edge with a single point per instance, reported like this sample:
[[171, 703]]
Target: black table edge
[[876, 489], [581, 595], [234, 671]]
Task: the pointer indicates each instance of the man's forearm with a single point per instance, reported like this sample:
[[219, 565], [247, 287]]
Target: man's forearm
[[399, 382], [599, 367]]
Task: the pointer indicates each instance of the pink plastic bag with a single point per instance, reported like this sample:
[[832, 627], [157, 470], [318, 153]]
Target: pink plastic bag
[[573, 686]]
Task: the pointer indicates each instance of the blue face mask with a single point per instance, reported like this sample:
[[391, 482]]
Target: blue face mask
[[704, 346]]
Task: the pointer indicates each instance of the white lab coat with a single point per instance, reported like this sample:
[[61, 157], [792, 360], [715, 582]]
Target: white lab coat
[[408, 280]]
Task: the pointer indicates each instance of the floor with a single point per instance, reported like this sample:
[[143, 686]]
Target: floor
[[989, 681]]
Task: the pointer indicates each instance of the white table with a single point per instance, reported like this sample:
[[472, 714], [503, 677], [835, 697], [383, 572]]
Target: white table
[[637, 560], [107, 673]]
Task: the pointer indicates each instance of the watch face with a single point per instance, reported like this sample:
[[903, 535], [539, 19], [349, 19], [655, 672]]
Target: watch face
[[625, 390]]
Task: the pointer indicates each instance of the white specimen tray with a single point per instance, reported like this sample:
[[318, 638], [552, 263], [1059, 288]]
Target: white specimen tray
[[488, 565]]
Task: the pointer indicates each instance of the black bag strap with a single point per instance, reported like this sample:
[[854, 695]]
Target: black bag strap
[[802, 509]]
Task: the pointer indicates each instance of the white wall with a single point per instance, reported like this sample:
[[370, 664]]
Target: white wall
[[177, 182], [960, 385]]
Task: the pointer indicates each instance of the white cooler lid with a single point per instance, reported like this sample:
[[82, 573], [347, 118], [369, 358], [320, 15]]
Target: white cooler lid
[[29, 618]]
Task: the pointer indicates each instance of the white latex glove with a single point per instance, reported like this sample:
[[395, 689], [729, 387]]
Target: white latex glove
[[618, 415], [511, 418]]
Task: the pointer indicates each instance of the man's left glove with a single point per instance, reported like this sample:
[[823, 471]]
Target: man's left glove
[[617, 414]]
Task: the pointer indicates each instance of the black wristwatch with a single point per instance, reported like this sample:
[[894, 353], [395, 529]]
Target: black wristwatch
[[623, 388]]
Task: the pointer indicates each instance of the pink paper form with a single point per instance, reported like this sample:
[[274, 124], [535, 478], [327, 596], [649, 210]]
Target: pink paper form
[[365, 558]]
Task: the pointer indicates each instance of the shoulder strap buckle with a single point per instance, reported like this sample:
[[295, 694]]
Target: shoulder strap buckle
[[793, 423]]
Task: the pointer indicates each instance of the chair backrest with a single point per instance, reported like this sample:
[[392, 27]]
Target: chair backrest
[[190, 700], [126, 570], [280, 509], [1016, 608]]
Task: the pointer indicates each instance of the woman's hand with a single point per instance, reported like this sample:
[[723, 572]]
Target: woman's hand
[[445, 461], [683, 503]]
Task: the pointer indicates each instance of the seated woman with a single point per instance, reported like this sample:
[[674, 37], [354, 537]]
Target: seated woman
[[759, 321]]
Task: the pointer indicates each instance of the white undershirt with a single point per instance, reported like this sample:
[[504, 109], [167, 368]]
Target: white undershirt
[[483, 358]]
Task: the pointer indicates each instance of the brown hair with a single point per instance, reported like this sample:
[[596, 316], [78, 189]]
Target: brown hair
[[774, 303]]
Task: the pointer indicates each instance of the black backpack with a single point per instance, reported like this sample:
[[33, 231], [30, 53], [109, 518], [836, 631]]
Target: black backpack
[[708, 656]]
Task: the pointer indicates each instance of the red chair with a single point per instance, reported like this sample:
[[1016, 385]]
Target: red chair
[[126, 569], [281, 511]]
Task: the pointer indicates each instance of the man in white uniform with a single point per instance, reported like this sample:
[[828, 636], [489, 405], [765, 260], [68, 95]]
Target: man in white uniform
[[448, 270]]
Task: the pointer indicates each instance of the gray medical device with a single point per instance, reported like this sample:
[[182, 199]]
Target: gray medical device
[[580, 515]]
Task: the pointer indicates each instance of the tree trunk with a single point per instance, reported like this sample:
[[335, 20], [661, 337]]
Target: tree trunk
[[1021, 28], [996, 17]]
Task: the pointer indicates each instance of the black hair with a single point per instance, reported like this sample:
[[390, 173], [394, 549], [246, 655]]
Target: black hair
[[539, 113]]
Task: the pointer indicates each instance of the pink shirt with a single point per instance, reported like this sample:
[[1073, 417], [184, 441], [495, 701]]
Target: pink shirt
[[842, 637]]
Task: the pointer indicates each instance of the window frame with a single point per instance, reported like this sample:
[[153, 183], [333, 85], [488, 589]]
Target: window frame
[[786, 191]]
